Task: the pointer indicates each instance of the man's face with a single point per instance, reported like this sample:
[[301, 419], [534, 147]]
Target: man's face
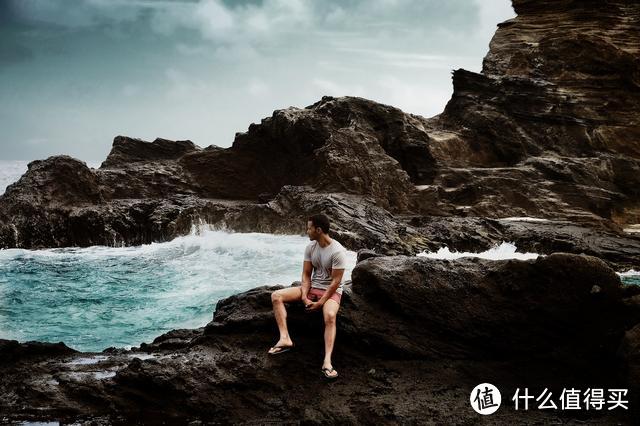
[[312, 231]]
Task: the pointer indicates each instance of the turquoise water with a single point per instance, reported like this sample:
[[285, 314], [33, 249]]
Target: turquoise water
[[631, 279], [96, 297]]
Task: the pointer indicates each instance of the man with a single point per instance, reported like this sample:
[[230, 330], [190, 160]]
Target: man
[[324, 263]]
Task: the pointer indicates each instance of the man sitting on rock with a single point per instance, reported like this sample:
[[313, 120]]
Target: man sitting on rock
[[327, 258]]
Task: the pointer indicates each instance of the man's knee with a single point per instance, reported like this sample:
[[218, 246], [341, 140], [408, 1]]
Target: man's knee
[[330, 318], [276, 297]]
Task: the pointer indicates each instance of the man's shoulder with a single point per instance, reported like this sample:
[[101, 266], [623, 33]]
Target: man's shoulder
[[338, 247], [311, 245]]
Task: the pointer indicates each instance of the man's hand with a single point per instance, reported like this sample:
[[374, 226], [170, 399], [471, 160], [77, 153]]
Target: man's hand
[[314, 306], [306, 301]]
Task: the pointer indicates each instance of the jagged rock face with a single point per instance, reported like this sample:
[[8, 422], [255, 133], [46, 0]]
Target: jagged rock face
[[57, 182], [402, 136], [34, 210], [136, 169], [162, 179], [336, 145], [534, 44], [313, 146], [128, 150], [564, 68], [547, 130], [357, 223], [560, 85], [550, 129], [584, 190]]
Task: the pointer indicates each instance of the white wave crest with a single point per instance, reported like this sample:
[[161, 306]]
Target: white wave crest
[[524, 219], [629, 273], [498, 252]]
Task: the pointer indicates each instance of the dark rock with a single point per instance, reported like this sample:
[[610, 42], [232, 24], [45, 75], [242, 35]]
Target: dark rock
[[250, 311], [146, 180], [355, 221], [549, 129], [59, 181], [477, 234], [629, 353], [559, 90], [314, 146], [128, 150], [413, 329], [13, 351], [366, 254], [475, 308]]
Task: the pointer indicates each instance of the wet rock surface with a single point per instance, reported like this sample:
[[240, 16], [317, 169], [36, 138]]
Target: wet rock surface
[[540, 149], [414, 337]]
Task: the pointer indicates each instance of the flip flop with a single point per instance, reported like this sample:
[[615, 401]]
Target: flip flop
[[326, 372], [280, 349]]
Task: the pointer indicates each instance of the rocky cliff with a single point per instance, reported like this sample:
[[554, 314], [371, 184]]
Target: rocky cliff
[[550, 129], [555, 115]]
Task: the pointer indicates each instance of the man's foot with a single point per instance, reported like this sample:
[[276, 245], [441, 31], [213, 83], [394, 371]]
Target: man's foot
[[329, 372], [280, 347]]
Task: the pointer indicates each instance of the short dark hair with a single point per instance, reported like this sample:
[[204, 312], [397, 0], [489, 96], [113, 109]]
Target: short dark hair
[[320, 221]]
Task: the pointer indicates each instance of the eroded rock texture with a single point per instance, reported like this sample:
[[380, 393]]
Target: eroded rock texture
[[556, 112], [414, 337], [549, 129]]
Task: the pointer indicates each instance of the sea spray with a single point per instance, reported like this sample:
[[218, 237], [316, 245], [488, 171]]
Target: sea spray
[[95, 297], [498, 252]]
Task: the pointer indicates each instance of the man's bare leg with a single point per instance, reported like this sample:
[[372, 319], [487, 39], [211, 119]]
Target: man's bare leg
[[278, 299], [330, 312]]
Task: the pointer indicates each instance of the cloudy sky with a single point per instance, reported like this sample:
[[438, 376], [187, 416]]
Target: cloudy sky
[[76, 73]]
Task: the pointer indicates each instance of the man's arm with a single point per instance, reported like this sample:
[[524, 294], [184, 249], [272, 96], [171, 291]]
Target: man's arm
[[336, 278], [307, 267]]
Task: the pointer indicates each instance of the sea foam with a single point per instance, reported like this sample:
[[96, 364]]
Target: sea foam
[[95, 297], [499, 252]]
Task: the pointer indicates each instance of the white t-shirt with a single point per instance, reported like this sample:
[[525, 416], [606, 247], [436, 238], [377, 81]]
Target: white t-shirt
[[324, 260]]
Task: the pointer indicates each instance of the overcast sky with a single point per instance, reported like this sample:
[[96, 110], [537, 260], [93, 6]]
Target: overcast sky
[[74, 74]]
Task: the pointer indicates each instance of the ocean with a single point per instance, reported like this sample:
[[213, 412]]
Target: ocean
[[98, 297]]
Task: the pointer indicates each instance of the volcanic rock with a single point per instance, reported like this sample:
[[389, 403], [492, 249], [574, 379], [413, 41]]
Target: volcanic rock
[[542, 148], [414, 337]]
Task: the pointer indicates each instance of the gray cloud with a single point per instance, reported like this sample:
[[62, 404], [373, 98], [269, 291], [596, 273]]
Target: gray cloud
[[221, 21], [80, 72]]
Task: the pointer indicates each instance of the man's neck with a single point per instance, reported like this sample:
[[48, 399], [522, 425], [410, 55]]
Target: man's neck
[[324, 240]]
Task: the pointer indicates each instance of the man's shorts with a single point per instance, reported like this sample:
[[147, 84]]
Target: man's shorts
[[316, 293]]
